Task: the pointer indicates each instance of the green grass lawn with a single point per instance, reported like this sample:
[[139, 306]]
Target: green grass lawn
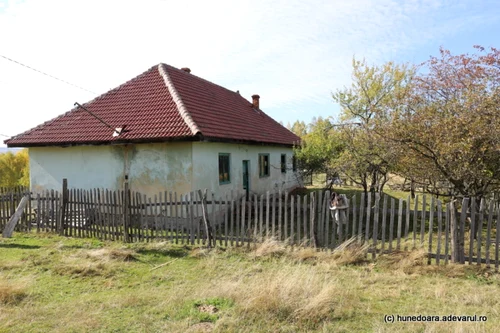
[[55, 284]]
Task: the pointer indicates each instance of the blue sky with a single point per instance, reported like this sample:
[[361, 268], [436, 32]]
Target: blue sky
[[293, 53]]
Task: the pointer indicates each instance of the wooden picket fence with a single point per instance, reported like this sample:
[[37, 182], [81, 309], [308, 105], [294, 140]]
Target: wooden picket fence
[[461, 232]]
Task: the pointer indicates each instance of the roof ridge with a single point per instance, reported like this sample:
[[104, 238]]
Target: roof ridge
[[212, 83], [186, 116]]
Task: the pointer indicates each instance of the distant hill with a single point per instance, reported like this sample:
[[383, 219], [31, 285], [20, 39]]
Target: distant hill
[[5, 149]]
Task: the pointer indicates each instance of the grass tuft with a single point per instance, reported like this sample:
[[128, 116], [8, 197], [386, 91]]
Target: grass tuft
[[12, 293]]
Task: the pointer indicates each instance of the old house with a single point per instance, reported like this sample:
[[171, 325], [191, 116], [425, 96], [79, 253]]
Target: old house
[[166, 130]]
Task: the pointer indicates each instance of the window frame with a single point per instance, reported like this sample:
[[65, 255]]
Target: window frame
[[261, 167], [294, 163], [283, 163], [222, 181]]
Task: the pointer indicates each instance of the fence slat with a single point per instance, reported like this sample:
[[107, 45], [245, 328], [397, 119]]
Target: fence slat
[[400, 222], [447, 234], [361, 217], [384, 222], [368, 216], [439, 223], [391, 223], [407, 226], [472, 228], [415, 218], [488, 234], [431, 228], [423, 219], [480, 230], [292, 219], [375, 225]]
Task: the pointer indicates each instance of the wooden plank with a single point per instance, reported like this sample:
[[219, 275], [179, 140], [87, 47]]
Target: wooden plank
[[361, 217], [261, 217], [299, 216], [348, 230], [232, 219], [215, 210], [368, 217], [280, 216], [480, 229], [190, 210], [9, 228], [497, 239], [340, 227], [440, 228], [313, 221], [488, 234], [391, 223], [157, 230], [176, 220], [375, 225], [226, 220], [237, 222], [242, 222], [273, 215], [285, 222], [292, 219], [39, 211], [431, 228], [422, 219], [354, 215], [384, 222], [326, 212], [400, 222], [461, 231], [415, 219], [267, 214], [472, 228], [447, 234], [256, 217], [304, 219], [320, 228], [407, 226]]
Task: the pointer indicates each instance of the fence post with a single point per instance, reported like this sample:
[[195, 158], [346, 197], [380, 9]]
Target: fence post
[[314, 237], [455, 250], [61, 220], [126, 210], [208, 228]]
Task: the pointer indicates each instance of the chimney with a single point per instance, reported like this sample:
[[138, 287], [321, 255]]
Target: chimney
[[186, 69], [255, 101]]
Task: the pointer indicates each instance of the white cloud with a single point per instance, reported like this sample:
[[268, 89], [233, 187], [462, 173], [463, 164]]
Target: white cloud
[[290, 52]]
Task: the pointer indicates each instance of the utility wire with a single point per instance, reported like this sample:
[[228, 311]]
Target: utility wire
[[51, 76]]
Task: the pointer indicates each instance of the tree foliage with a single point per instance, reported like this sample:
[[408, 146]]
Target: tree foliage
[[319, 147], [368, 157], [14, 169], [451, 120]]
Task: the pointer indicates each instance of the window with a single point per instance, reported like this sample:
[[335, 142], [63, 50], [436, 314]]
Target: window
[[294, 163], [263, 165], [283, 163], [224, 169]]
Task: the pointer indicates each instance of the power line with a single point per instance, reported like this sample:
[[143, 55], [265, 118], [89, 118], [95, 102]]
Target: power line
[[51, 76]]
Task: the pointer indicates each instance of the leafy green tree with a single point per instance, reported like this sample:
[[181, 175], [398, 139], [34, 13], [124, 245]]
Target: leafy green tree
[[366, 107], [319, 147], [14, 169]]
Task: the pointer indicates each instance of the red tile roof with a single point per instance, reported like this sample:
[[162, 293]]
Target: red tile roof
[[162, 104]]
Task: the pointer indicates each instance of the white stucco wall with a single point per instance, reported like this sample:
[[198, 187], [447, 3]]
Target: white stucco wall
[[206, 167], [153, 168]]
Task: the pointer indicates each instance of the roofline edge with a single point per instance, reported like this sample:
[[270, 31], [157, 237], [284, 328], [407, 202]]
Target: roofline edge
[[178, 101]]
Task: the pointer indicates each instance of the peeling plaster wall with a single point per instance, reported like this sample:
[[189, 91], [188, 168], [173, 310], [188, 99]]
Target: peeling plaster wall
[[152, 168], [206, 167]]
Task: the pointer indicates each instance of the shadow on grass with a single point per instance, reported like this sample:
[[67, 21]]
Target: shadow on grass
[[19, 246], [174, 253]]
